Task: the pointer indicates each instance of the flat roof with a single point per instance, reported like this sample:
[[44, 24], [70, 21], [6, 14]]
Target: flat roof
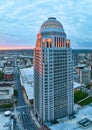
[[76, 85], [8, 72], [27, 74], [81, 65], [85, 122], [6, 84], [29, 90], [26, 79], [26, 71], [4, 122]]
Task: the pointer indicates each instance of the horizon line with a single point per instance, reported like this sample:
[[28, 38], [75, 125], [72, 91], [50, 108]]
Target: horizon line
[[31, 47], [17, 48]]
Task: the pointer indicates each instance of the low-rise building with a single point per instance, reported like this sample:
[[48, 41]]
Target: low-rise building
[[8, 75], [85, 75], [6, 93], [76, 86], [26, 80], [2, 63], [5, 122]]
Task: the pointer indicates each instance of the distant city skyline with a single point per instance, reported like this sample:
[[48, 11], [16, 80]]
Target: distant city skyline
[[20, 21]]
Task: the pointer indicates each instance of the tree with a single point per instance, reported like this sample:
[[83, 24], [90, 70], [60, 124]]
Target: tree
[[1, 75], [7, 105], [88, 86], [79, 95], [15, 92]]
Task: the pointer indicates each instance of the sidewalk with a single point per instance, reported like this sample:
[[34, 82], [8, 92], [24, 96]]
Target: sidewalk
[[38, 125], [83, 99]]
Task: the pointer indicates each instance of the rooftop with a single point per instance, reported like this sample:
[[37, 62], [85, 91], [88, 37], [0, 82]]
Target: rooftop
[[27, 74], [76, 85], [4, 122], [81, 65], [85, 122], [29, 91], [26, 79], [6, 84], [8, 72]]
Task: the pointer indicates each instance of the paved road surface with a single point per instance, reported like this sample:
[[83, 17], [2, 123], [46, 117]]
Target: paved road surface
[[24, 111]]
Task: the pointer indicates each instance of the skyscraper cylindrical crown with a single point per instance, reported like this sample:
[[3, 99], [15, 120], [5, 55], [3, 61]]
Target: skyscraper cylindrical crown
[[51, 25]]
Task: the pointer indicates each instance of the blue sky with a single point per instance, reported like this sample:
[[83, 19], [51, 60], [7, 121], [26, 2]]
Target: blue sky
[[20, 21]]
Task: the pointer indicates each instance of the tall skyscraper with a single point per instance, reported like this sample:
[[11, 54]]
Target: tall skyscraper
[[53, 72]]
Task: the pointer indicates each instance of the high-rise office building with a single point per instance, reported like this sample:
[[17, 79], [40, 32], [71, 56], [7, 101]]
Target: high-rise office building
[[85, 75], [53, 72]]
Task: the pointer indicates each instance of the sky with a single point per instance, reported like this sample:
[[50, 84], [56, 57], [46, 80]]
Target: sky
[[20, 21]]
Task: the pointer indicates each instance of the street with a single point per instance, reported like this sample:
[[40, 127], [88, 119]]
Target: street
[[21, 105]]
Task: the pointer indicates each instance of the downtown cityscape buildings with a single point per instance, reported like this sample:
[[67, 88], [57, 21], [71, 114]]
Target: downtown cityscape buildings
[[53, 72], [59, 96]]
